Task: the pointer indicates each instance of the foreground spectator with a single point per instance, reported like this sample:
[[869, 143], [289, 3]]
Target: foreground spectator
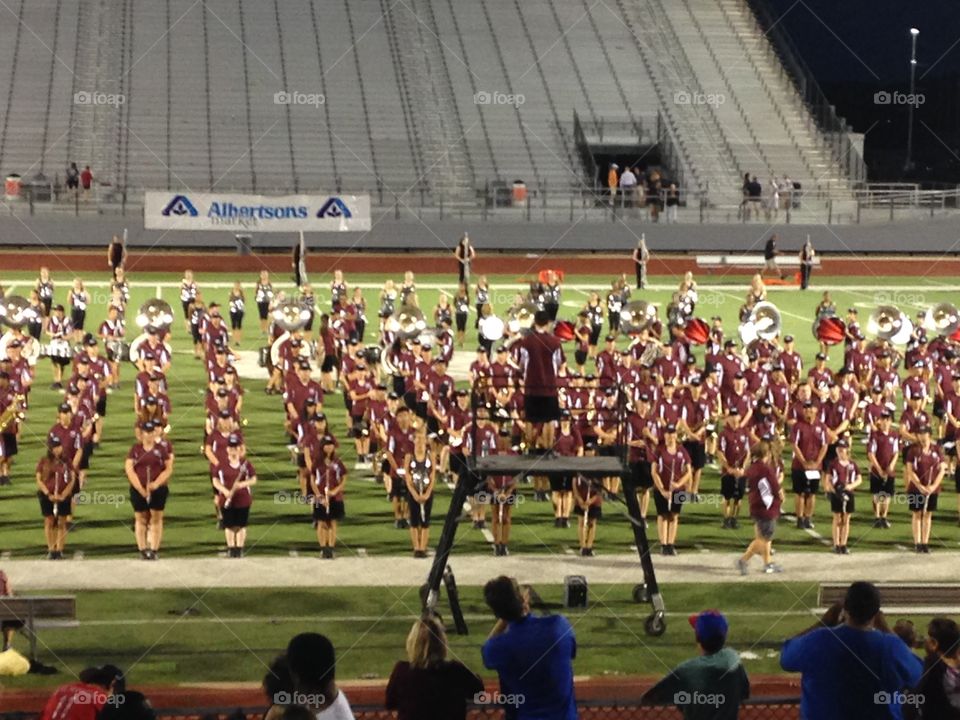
[[312, 664], [855, 669], [532, 655], [709, 687], [427, 686], [939, 687], [84, 699]]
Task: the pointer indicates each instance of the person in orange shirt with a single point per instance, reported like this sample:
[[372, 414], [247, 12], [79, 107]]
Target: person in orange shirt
[[613, 182]]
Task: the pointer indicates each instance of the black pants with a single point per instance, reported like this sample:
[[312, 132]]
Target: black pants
[[641, 276], [805, 271]]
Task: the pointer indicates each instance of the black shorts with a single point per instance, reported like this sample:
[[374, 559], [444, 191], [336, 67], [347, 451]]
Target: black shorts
[[263, 308], [158, 500], [732, 488], [697, 452], [580, 356], [78, 318], [642, 476], [336, 511], [348, 404], [9, 443], [594, 512], [301, 460], [236, 321], [915, 501], [329, 364], [418, 519], [195, 333], [85, 454], [880, 485], [561, 483], [956, 477], [309, 325], [540, 409], [836, 502], [938, 408], [595, 335], [398, 488], [673, 506], [235, 517], [47, 304], [802, 485], [461, 319], [46, 506], [186, 309], [102, 405]]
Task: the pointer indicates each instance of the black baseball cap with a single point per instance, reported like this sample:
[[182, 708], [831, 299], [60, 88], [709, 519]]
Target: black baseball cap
[[224, 414], [149, 425], [733, 411], [842, 443], [234, 441], [90, 341], [223, 393], [65, 408], [821, 356], [788, 338], [671, 428], [808, 404], [611, 338], [695, 381]]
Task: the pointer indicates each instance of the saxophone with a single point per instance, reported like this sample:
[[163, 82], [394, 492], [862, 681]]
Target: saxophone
[[13, 413]]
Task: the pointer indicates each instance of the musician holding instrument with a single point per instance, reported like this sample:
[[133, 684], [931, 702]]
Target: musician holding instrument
[[232, 481], [59, 330], [594, 310], [843, 478], [79, 300], [465, 254], [924, 470], [420, 474], [111, 332], [810, 441], [501, 494], [55, 483], [149, 467], [588, 502], [671, 478]]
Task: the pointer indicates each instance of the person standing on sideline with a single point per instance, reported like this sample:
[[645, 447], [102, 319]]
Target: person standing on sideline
[[807, 256], [465, 254], [849, 668], [116, 254], [533, 656], [641, 256], [770, 253], [717, 673]]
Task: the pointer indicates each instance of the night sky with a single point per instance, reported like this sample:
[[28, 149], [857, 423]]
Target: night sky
[[856, 49]]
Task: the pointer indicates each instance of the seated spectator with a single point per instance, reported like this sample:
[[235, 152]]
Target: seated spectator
[[312, 663], [84, 699], [855, 668], [939, 687], [427, 686], [709, 687], [905, 630], [277, 684], [129, 705], [532, 655], [288, 712]]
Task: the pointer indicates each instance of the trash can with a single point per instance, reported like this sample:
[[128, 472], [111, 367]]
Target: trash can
[[244, 243], [519, 192], [11, 188]]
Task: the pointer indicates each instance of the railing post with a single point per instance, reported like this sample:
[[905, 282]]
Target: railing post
[[830, 211]]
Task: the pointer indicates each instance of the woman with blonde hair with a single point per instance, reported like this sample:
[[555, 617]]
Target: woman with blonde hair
[[427, 686]]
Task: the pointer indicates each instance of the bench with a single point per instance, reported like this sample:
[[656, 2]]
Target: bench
[[39, 611], [748, 261], [901, 595]]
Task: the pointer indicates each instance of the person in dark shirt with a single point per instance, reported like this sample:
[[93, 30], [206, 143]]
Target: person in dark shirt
[[427, 686], [541, 355], [939, 685], [532, 655]]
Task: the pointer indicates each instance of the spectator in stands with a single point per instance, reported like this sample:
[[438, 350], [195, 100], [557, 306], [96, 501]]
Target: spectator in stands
[[86, 181], [745, 192], [710, 686], [130, 705], [313, 668], [852, 666], [427, 686], [641, 256], [673, 202], [532, 655], [654, 195], [939, 687], [613, 181], [84, 699], [628, 187], [73, 177]]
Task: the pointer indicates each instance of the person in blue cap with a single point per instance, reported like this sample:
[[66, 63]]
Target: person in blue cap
[[709, 686]]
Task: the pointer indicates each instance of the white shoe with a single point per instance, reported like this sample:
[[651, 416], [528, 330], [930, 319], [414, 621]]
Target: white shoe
[[772, 568]]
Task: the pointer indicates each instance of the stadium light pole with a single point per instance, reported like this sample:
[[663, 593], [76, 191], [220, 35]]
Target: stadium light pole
[[908, 165]]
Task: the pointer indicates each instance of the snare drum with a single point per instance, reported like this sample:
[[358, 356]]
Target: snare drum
[[57, 350]]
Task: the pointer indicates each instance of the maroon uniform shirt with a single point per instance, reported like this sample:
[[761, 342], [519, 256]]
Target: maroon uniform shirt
[[671, 466], [541, 355], [230, 475], [148, 464], [925, 464], [734, 445], [811, 438], [763, 491], [884, 446]]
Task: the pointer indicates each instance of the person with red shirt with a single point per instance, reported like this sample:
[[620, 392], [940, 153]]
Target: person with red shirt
[[842, 479], [232, 482], [55, 483], [326, 485], [765, 498], [582, 337], [360, 389], [820, 374], [883, 450], [567, 443], [733, 448], [148, 467], [738, 397], [924, 471], [671, 478], [84, 699], [810, 442], [399, 445]]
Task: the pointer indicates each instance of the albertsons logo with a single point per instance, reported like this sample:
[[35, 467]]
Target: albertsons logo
[[334, 208], [180, 206]]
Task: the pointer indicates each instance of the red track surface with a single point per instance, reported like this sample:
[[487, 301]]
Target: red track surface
[[626, 688], [519, 265]]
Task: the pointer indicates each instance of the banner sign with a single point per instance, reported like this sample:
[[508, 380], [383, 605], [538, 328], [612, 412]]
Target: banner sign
[[255, 213]]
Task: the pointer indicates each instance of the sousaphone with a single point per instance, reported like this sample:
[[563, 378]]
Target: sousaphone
[[942, 319], [763, 323], [15, 312], [290, 316], [154, 315], [889, 323]]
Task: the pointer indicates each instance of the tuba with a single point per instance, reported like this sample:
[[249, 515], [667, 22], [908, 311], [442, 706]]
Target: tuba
[[942, 319], [153, 315], [636, 316], [16, 312], [407, 322], [763, 323], [13, 413], [289, 316], [890, 324]]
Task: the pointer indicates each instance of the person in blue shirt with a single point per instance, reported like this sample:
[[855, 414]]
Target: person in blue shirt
[[855, 668], [532, 655]]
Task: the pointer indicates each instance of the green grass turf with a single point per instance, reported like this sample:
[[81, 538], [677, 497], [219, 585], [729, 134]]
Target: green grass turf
[[241, 631], [104, 526]]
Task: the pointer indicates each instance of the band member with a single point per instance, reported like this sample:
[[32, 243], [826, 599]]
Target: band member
[[408, 290], [60, 330], [733, 446], [924, 471], [399, 446], [361, 389], [912, 419], [233, 481], [671, 478], [237, 304], [480, 441], [44, 290], [588, 499], [540, 356], [883, 451], [263, 296], [810, 442], [116, 253], [842, 479], [79, 300], [567, 443], [594, 310], [188, 293], [357, 309], [551, 295], [327, 480], [420, 474], [765, 497], [642, 433], [55, 483], [695, 414], [111, 332], [148, 468], [338, 290], [465, 254]]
